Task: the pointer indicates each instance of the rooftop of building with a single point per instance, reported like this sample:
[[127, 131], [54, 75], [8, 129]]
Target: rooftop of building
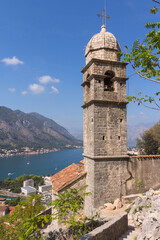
[[28, 188], [67, 176], [82, 161]]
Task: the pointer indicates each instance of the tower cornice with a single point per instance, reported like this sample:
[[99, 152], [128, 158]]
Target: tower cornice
[[104, 102], [107, 158], [96, 60]]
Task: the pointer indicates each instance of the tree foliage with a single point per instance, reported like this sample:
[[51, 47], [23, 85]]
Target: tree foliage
[[13, 202], [24, 222], [16, 184], [145, 60], [150, 141], [68, 208]]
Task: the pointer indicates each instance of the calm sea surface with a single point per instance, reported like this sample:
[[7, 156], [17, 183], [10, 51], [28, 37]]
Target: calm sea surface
[[40, 164]]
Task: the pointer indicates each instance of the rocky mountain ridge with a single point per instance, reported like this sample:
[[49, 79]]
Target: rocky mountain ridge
[[18, 129]]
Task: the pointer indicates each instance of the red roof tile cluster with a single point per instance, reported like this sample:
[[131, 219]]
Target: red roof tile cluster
[[66, 176], [11, 209]]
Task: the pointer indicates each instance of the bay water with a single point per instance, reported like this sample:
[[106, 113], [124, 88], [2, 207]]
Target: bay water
[[38, 164]]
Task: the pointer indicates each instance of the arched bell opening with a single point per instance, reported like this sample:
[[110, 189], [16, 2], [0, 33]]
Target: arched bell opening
[[108, 81]]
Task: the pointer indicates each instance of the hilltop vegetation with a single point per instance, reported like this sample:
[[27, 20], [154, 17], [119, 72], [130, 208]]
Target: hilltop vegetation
[[150, 140], [16, 184]]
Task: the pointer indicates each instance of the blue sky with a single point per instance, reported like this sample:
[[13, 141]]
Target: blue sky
[[42, 46]]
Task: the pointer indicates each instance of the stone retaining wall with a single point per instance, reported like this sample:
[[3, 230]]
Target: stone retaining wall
[[111, 230], [112, 178], [146, 169]]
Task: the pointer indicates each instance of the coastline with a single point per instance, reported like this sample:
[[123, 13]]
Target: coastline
[[9, 153], [38, 164], [29, 153]]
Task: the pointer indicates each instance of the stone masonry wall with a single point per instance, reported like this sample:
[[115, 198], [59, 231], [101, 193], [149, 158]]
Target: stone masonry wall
[[106, 180], [103, 54], [105, 130], [113, 229], [101, 67], [110, 136], [145, 169], [112, 178], [88, 129], [96, 89]]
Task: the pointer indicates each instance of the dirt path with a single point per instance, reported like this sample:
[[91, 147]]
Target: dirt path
[[131, 233]]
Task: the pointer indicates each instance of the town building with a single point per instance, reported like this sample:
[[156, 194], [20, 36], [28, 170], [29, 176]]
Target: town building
[[4, 209], [28, 182], [28, 190], [45, 188], [73, 176], [47, 180]]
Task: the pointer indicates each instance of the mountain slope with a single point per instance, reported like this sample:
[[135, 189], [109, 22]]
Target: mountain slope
[[18, 129], [134, 132]]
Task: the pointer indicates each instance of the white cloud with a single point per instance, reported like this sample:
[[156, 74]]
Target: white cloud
[[12, 61], [54, 90], [24, 92], [36, 88], [47, 79], [11, 89]]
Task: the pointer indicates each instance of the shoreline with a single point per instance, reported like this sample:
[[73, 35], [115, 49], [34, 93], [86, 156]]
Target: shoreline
[[3, 155]]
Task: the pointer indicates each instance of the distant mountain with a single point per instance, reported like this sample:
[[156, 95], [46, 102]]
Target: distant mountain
[[134, 132], [18, 129], [77, 133]]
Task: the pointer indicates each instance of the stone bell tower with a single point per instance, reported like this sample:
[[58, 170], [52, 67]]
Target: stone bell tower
[[105, 127]]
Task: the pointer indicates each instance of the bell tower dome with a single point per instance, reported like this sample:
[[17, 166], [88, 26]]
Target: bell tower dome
[[103, 45], [104, 111]]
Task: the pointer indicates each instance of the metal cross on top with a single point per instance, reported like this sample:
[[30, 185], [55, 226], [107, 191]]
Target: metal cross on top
[[103, 15]]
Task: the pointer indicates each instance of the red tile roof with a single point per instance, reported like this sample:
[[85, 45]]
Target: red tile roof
[[11, 209], [82, 161], [66, 176]]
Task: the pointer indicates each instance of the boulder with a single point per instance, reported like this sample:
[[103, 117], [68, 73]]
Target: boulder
[[111, 207], [145, 213], [118, 203]]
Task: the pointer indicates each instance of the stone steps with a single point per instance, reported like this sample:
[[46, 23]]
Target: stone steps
[[131, 234]]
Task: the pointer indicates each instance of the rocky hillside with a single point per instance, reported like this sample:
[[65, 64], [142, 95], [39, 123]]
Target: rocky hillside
[[145, 213], [18, 129]]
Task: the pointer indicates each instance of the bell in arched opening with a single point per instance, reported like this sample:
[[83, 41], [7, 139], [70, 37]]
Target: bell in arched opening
[[108, 81]]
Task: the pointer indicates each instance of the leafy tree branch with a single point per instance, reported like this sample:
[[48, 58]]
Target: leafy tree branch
[[144, 58]]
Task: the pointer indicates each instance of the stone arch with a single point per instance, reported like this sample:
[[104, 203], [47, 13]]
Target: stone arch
[[108, 81]]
